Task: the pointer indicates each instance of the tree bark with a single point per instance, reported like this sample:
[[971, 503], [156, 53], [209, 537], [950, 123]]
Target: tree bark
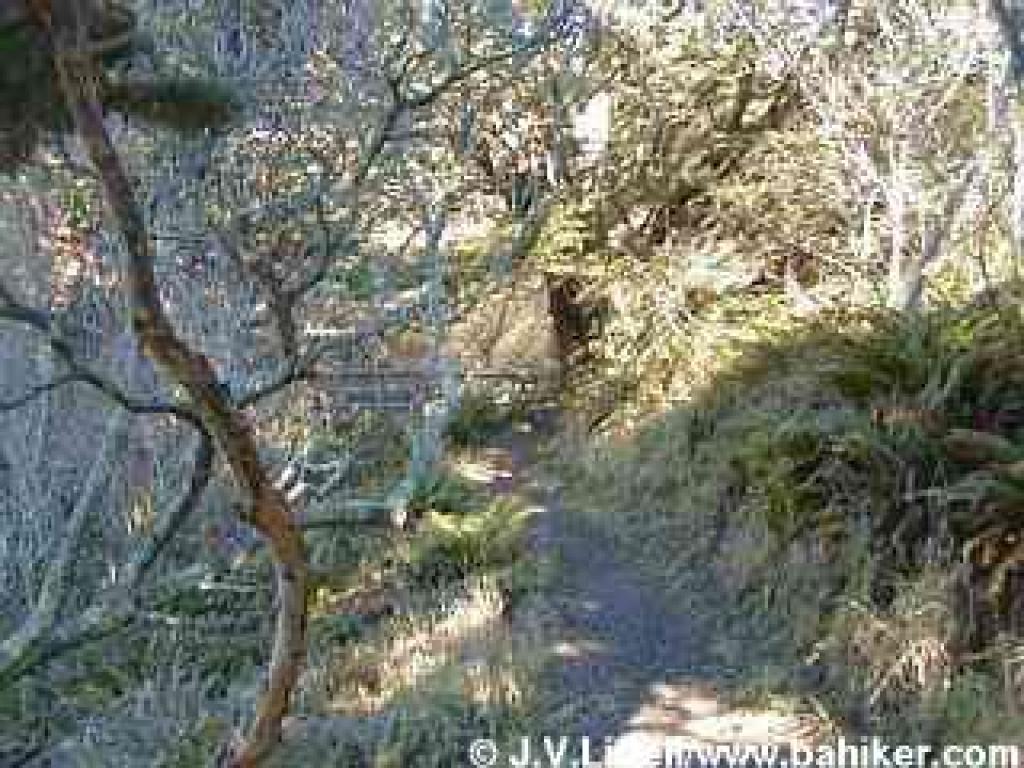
[[269, 510]]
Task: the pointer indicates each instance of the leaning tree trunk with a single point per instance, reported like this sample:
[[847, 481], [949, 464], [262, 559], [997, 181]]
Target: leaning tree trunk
[[269, 511]]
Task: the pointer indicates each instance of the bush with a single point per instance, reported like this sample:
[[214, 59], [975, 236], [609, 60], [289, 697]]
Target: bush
[[478, 417], [856, 498], [443, 492], [453, 547]]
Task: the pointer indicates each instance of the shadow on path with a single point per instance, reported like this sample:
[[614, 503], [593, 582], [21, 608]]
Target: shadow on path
[[630, 671]]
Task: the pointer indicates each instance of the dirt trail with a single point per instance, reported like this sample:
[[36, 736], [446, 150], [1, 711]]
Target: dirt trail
[[630, 670]]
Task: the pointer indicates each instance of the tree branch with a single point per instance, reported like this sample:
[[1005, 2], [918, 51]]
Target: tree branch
[[114, 611], [54, 587], [168, 527], [35, 392], [269, 511], [1010, 28], [42, 322], [295, 371], [385, 131]]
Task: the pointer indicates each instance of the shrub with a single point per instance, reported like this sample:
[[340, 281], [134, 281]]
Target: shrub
[[453, 547], [855, 496]]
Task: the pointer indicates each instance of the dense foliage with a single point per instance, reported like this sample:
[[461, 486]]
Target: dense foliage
[[262, 263]]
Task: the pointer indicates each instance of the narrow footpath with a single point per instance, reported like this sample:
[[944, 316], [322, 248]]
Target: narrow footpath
[[629, 669]]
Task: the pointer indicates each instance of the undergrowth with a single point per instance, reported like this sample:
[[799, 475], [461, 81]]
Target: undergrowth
[[851, 497], [413, 654]]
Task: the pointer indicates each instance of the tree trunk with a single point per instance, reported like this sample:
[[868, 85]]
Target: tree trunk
[[572, 321], [269, 511]]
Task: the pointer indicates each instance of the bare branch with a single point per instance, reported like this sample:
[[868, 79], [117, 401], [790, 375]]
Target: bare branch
[[295, 371], [202, 471], [115, 610], [37, 391], [51, 594], [42, 322], [907, 294], [269, 511]]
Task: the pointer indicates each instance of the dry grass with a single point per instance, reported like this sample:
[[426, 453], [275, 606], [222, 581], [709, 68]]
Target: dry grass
[[802, 499], [415, 651]]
